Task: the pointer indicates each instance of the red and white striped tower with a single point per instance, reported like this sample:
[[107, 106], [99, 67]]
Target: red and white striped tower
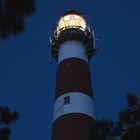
[[72, 46]]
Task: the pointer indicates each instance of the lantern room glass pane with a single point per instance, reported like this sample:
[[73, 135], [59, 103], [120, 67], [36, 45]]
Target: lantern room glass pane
[[71, 20]]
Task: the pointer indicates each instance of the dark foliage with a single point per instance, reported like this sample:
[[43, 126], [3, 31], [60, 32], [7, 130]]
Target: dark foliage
[[131, 99], [101, 129], [6, 118], [5, 133], [12, 14], [126, 128]]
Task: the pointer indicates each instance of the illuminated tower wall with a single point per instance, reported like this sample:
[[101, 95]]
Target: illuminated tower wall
[[72, 46]]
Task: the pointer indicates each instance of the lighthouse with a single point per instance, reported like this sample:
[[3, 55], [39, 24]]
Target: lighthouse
[[72, 46]]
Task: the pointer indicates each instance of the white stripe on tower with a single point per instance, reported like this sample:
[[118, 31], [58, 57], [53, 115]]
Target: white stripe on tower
[[72, 48], [73, 102]]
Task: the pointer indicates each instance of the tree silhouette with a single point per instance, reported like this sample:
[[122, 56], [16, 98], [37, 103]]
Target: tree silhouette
[[6, 117], [127, 127], [12, 14]]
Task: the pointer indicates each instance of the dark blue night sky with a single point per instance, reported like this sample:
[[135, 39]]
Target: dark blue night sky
[[27, 80]]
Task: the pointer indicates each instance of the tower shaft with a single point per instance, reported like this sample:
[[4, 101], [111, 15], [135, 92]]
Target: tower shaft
[[73, 108]]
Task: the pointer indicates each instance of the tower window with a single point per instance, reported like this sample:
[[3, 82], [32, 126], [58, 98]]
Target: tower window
[[66, 100]]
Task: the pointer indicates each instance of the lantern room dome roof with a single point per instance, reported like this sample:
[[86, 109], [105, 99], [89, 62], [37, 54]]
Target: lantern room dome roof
[[72, 12]]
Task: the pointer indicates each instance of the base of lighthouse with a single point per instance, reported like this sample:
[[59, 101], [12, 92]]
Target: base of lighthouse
[[73, 126], [73, 117]]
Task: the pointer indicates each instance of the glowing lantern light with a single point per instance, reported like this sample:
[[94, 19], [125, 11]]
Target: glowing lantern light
[[71, 21]]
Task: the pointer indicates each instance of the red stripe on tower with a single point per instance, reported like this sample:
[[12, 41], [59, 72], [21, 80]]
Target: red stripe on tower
[[72, 46]]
